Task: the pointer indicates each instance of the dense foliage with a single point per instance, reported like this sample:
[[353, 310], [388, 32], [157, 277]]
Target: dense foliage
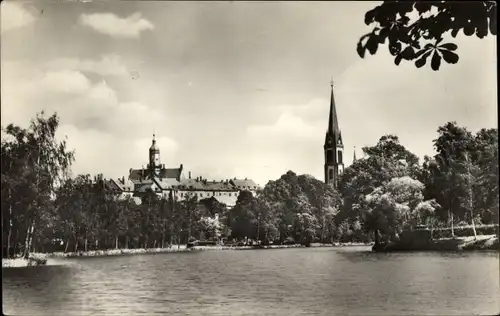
[[378, 197], [414, 30]]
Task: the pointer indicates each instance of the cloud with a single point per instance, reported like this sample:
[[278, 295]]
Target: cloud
[[288, 125], [66, 81], [79, 101], [14, 15], [108, 134], [108, 65], [113, 155], [111, 24]]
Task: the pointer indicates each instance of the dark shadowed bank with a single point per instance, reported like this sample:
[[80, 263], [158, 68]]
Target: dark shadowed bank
[[422, 240]]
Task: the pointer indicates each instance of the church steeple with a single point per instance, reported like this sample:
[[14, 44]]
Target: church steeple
[[333, 123], [334, 147]]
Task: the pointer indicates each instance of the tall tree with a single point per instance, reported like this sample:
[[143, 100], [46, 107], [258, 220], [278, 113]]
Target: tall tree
[[448, 170], [386, 160], [36, 163]]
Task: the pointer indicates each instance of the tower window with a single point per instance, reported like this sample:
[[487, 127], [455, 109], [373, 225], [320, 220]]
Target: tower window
[[330, 174], [329, 156], [339, 156]]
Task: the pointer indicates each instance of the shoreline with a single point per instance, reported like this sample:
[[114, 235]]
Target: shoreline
[[482, 243], [457, 244], [43, 257]]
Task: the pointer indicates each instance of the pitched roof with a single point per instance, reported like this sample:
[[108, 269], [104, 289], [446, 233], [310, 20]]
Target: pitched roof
[[111, 184], [171, 173], [167, 183], [191, 184], [168, 173], [137, 174], [244, 184], [219, 186], [143, 186], [126, 185]]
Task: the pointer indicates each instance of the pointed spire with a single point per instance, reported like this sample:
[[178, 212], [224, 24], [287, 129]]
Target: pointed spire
[[153, 147], [333, 124]]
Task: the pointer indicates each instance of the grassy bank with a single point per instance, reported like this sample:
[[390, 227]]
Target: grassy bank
[[40, 257], [22, 263]]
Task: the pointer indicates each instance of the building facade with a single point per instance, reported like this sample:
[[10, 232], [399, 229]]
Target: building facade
[[333, 147], [166, 182]]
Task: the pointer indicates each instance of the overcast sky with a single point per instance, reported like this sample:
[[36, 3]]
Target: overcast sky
[[231, 89]]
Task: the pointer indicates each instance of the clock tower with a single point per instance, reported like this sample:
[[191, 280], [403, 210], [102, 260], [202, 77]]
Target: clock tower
[[333, 148]]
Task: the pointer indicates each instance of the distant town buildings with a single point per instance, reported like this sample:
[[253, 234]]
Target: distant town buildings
[[171, 181]]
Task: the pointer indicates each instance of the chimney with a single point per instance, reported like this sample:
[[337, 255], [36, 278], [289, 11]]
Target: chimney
[[123, 180], [189, 174], [245, 179], [181, 167]]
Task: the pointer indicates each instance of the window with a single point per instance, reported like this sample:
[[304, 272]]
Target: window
[[339, 156], [330, 177], [329, 156], [229, 194]]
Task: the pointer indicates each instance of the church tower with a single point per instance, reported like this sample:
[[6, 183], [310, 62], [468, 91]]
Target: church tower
[[154, 158], [334, 148]]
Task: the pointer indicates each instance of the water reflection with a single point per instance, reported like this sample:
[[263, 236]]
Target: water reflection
[[324, 281]]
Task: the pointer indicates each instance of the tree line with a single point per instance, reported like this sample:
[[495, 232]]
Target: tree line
[[45, 209]]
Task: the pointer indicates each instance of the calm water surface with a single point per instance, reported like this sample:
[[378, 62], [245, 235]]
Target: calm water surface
[[313, 281]]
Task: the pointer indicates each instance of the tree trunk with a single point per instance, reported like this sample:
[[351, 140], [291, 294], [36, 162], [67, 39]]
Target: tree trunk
[[29, 240], [377, 238], [116, 242], [323, 231], [85, 243], [67, 245], [163, 240], [452, 229], [258, 228], [14, 251], [189, 228], [76, 243], [126, 242], [9, 236], [26, 243]]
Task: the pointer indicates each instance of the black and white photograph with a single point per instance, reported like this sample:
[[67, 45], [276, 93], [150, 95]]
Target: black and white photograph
[[249, 158]]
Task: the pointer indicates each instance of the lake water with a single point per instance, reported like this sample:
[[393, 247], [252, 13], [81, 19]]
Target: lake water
[[306, 281]]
